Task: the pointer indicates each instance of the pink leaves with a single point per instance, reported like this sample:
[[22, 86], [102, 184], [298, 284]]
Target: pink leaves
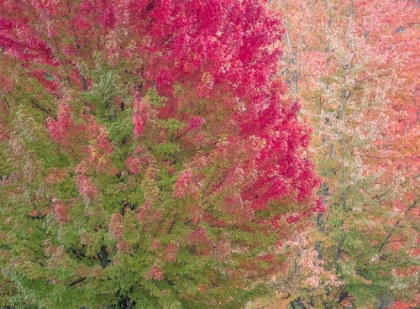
[[138, 160], [293, 218], [86, 188], [140, 114], [156, 273], [148, 214], [195, 212], [199, 235], [115, 225], [223, 249], [88, 140], [6, 84], [201, 241], [319, 207], [231, 35], [109, 17], [185, 184], [62, 128], [133, 164], [102, 141], [195, 123], [59, 209], [99, 148], [171, 252]]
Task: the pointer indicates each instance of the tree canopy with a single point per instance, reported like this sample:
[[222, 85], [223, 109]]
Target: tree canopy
[[148, 157]]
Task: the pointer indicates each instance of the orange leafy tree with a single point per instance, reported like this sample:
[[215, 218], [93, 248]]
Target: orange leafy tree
[[354, 65]]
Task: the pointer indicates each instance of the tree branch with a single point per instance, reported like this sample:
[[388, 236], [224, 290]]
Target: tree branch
[[395, 226], [41, 108], [78, 281]]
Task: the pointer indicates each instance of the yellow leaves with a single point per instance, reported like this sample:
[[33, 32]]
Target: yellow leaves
[[241, 107], [207, 80], [149, 183], [257, 143]]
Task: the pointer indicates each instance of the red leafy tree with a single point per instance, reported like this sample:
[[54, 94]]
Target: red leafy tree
[[148, 159]]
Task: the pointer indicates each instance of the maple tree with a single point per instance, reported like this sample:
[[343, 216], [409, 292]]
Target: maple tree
[[148, 158], [354, 65]]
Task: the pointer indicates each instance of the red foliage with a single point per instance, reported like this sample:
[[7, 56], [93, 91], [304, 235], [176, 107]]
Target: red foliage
[[171, 252], [86, 188], [6, 83], [59, 209], [156, 273], [63, 128], [199, 236], [185, 184], [401, 305], [140, 114], [195, 123], [173, 51]]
